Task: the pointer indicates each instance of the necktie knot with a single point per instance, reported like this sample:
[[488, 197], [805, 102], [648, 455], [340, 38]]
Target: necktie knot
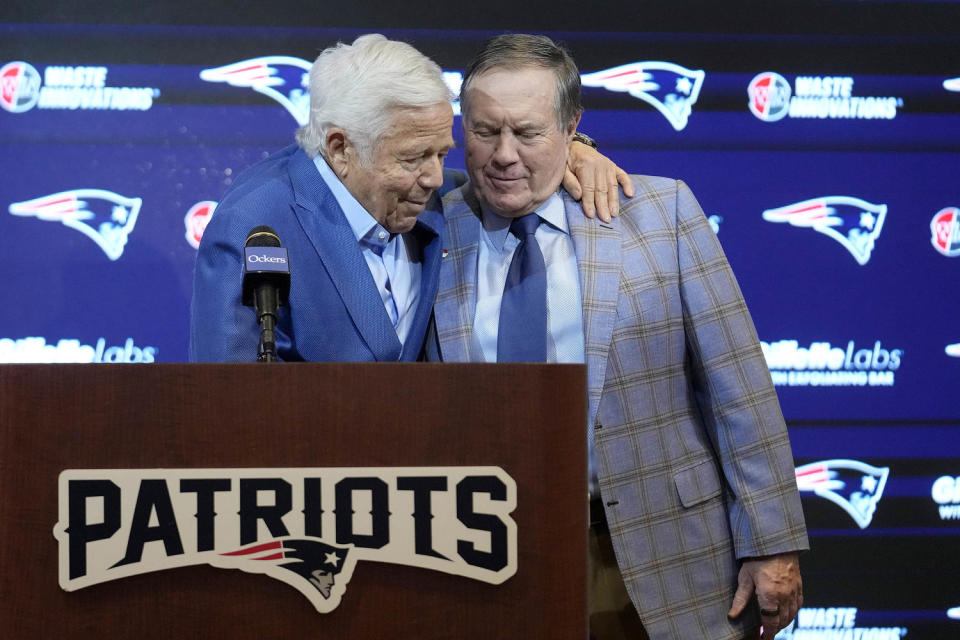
[[525, 225]]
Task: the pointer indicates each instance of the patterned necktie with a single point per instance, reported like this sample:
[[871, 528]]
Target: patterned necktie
[[522, 336]]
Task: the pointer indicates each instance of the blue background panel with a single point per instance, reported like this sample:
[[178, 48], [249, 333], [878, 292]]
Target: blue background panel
[[895, 570]]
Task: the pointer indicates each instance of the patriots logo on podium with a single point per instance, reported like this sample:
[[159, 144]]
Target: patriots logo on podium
[[852, 222], [283, 78], [668, 87], [103, 216], [318, 570], [855, 486]]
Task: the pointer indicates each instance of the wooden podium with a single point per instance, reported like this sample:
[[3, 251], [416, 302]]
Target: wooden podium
[[528, 420]]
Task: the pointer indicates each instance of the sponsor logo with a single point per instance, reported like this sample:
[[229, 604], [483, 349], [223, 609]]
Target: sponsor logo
[[105, 217], [771, 98], [72, 88], [824, 365], [945, 232], [305, 527], [266, 260], [854, 223], [254, 258], [36, 350], [19, 87], [196, 221], [953, 84], [669, 88], [953, 350], [946, 493], [835, 623], [854, 486]]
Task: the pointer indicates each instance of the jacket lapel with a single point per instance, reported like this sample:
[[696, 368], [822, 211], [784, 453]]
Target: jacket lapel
[[427, 234], [598, 247], [332, 238], [456, 302]]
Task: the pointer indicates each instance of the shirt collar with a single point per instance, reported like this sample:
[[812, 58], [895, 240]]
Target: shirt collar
[[498, 227], [366, 229]]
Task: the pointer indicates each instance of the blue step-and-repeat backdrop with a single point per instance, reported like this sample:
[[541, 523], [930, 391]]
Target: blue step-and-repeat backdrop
[[823, 145]]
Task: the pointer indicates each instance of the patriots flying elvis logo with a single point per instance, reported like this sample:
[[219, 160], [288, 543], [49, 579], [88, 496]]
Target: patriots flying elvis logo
[[853, 485], [852, 222], [669, 88], [286, 79], [105, 217], [307, 564]]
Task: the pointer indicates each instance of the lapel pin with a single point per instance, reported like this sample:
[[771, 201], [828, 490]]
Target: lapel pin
[[443, 254]]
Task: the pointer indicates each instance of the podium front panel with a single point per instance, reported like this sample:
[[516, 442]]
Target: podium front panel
[[528, 420]]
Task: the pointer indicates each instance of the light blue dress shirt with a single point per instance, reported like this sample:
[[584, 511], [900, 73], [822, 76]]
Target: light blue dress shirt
[[393, 264], [565, 341]]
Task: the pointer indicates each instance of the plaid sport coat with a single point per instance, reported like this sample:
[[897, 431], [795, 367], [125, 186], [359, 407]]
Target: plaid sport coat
[[692, 452]]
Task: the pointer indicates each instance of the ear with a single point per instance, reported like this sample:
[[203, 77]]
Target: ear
[[339, 151], [572, 128]]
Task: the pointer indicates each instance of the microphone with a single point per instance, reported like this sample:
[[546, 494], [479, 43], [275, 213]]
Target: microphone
[[266, 284]]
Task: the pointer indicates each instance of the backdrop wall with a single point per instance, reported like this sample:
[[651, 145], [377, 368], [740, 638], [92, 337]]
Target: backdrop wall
[[822, 139]]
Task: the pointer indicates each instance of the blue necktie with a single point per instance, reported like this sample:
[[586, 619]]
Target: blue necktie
[[522, 336]]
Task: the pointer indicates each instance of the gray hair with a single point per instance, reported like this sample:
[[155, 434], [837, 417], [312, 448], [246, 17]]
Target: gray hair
[[518, 50], [356, 87]]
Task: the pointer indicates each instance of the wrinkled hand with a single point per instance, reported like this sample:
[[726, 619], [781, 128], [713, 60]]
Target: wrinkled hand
[[778, 587], [593, 178]]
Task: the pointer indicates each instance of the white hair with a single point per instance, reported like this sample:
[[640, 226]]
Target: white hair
[[356, 87]]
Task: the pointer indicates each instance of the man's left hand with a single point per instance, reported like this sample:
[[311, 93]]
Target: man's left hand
[[593, 177], [776, 581]]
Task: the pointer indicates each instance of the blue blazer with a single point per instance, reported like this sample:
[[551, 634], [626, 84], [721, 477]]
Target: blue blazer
[[692, 452], [335, 311]]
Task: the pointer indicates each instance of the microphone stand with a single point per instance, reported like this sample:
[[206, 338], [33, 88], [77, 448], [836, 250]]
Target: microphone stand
[[267, 304]]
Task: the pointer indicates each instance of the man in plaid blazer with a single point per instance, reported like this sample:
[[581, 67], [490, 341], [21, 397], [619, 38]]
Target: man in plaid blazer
[[689, 447]]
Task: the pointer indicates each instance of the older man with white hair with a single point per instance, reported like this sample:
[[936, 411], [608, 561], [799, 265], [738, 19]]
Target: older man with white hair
[[355, 204]]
